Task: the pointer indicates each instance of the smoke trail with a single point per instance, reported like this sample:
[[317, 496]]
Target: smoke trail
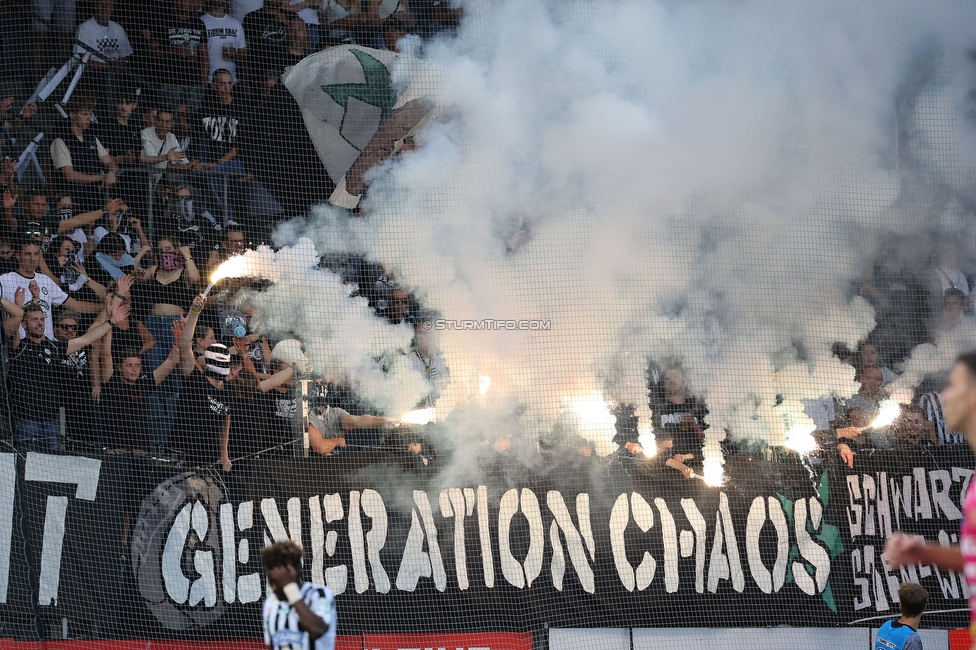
[[698, 181]]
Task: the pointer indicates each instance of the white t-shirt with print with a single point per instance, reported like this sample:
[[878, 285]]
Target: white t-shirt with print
[[221, 32], [51, 295], [111, 40]]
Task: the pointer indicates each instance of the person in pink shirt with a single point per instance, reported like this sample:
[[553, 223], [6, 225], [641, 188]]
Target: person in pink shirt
[[960, 411]]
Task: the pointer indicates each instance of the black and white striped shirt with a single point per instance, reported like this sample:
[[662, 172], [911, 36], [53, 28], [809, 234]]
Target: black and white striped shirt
[[932, 405], [281, 628]]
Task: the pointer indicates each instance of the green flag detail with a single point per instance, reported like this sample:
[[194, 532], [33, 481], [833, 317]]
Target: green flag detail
[[378, 89]]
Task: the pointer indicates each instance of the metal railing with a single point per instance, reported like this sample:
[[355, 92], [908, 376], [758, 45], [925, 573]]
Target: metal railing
[[199, 180]]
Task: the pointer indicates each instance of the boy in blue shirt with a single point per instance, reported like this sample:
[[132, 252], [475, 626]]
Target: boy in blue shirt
[[901, 634]]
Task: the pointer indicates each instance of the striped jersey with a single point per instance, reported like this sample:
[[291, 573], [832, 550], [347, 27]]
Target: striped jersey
[[281, 628], [931, 404]]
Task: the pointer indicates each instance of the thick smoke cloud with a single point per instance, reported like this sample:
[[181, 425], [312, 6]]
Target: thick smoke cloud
[[344, 341], [699, 181]]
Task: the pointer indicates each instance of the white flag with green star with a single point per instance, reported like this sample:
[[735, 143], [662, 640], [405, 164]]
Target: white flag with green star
[[354, 112]]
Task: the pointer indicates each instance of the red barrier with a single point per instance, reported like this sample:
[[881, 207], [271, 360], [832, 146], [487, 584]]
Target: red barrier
[[435, 641], [422, 641], [959, 639]]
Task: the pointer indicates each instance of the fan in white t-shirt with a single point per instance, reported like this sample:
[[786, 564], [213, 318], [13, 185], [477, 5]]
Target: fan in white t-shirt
[[103, 35], [49, 294], [159, 145], [224, 38]]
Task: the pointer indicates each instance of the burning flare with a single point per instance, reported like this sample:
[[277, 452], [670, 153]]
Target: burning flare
[[419, 416], [800, 438], [592, 411], [888, 412], [646, 437], [233, 267], [714, 474]]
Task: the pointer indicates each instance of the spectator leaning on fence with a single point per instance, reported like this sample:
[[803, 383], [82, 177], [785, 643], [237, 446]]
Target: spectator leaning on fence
[[328, 426]]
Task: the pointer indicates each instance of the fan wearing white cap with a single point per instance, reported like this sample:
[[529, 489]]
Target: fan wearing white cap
[[203, 419]]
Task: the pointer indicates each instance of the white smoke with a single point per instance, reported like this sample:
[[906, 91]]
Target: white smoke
[[697, 180], [344, 341]]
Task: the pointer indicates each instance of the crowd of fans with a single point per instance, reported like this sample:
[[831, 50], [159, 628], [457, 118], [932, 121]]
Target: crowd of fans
[[186, 92], [112, 349], [914, 304], [116, 390]]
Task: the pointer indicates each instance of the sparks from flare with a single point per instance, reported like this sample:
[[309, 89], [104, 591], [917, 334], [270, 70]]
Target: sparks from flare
[[646, 438], [800, 438], [484, 383], [232, 267], [714, 474]]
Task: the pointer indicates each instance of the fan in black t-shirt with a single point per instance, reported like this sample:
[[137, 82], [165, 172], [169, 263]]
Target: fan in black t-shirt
[[203, 420], [683, 415], [125, 412], [120, 135], [175, 45], [218, 126], [266, 33], [125, 399], [36, 376]]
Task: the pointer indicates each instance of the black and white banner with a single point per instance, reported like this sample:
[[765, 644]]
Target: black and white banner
[[779, 544]]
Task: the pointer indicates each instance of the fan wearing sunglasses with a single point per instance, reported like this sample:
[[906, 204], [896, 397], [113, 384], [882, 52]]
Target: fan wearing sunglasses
[[76, 373]]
